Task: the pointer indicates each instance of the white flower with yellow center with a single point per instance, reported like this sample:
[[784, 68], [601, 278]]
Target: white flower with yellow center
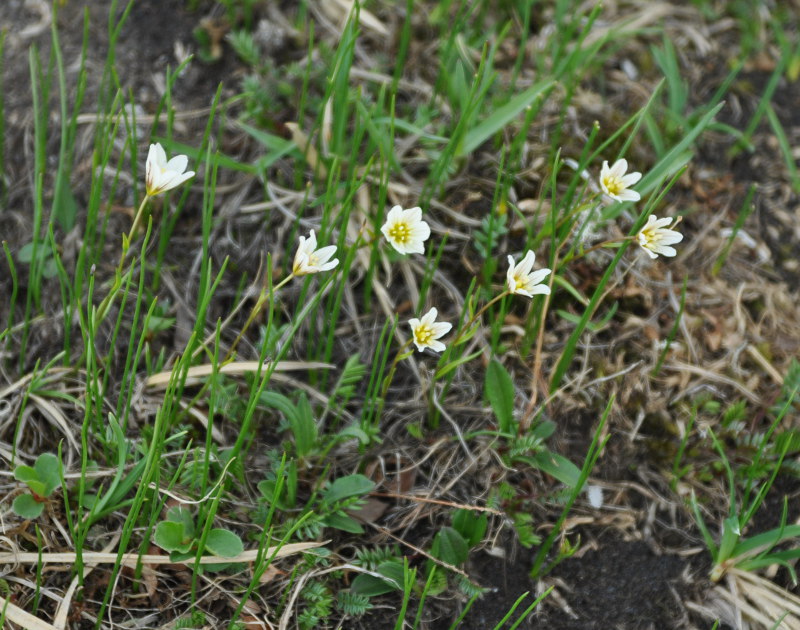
[[655, 238], [616, 184], [309, 259], [406, 230], [427, 330], [161, 175], [522, 280]]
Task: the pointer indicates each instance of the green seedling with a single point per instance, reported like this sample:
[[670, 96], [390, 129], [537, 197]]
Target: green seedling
[[179, 536], [734, 550], [42, 480], [334, 507], [528, 448]]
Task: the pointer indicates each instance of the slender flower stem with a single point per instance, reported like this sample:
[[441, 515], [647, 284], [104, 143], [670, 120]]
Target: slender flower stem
[[102, 309], [465, 328], [388, 380], [137, 219], [257, 307], [607, 243]]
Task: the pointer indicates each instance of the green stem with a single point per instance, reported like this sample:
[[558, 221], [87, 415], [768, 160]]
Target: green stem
[[257, 307]]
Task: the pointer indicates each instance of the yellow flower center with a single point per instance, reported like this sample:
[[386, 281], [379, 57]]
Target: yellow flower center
[[400, 232], [650, 236], [423, 334], [613, 185], [521, 281]]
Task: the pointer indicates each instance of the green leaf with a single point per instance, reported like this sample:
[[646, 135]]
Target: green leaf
[[354, 431], [450, 546], [170, 536], [499, 390], [446, 369], [343, 522], [25, 474], [304, 427], [543, 430], [224, 543], [48, 468], [554, 465], [346, 487], [470, 525], [65, 206], [371, 586], [501, 116], [27, 507], [179, 514]]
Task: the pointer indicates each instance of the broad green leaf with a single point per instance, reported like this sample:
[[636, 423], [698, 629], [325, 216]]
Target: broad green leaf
[[471, 525], [344, 523], [543, 430], [554, 465], [27, 507], [371, 586], [224, 543], [179, 514], [304, 427], [499, 390], [48, 469], [346, 487], [171, 536], [450, 546], [25, 474], [354, 431]]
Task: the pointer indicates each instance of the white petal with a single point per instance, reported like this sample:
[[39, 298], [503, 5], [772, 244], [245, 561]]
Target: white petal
[[430, 317], [394, 214], [526, 264], [619, 168], [628, 195], [421, 231], [630, 179], [668, 237], [649, 252], [537, 276], [441, 328], [437, 346], [665, 250], [160, 155], [413, 215], [178, 164]]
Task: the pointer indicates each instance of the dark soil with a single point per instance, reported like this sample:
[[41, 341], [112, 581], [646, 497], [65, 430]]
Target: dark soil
[[619, 584]]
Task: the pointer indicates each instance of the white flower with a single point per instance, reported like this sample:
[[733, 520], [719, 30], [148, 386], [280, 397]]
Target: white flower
[[427, 330], [524, 282], [615, 183], [309, 259], [161, 175], [656, 239], [406, 230]]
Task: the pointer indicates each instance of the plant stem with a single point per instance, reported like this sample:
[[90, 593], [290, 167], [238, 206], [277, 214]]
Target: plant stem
[[257, 307]]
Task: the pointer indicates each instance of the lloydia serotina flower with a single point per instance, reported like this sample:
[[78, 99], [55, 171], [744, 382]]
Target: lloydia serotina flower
[[161, 175], [309, 259], [616, 184], [522, 280], [655, 238], [406, 230], [427, 330]]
